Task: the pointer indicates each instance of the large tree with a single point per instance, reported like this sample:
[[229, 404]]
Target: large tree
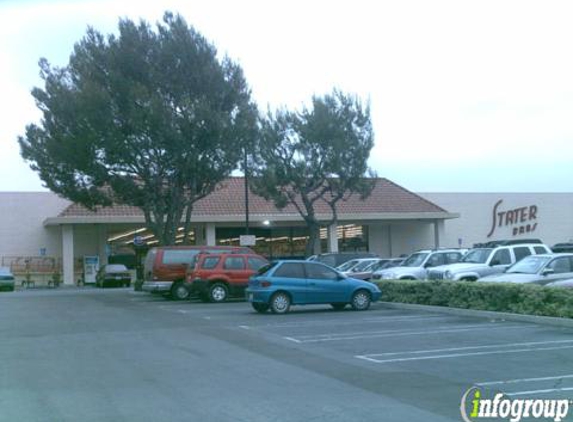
[[150, 118], [316, 156]]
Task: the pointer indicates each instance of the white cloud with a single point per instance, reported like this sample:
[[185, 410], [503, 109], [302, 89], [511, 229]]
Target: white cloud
[[453, 85]]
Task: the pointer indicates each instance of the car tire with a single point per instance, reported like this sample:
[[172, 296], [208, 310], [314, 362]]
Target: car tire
[[218, 292], [338, 306], [361, 300], [280, 303], [261, 308], [179, 291]]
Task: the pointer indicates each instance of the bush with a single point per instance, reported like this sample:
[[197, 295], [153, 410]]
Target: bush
[[500, 297]]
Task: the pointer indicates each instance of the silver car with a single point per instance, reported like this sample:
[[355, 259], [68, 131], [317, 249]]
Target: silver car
[[536, 269], [415, 267]]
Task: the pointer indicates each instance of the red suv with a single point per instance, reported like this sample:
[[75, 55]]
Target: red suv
[[165, 267], [215, 277]]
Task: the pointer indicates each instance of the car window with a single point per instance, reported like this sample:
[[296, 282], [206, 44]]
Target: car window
[[415, 260], [290, 270], [210, 262], [256, 263], [174, 256], [320, 272], [348, 265], [452, 257], [234, 263], [539, 249], [501, 257], [560, 265], [478, 256], [521, 252], [436, 259]]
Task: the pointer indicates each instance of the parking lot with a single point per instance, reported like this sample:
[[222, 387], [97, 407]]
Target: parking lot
[[313, 363]]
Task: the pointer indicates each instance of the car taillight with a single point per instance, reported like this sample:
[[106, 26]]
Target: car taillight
[[265, 283]]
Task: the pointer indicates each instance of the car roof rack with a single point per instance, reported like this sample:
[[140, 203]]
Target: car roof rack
[[506, 242]]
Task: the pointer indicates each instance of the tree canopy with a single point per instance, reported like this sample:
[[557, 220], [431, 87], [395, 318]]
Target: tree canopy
[[316, 156], [150, 118]]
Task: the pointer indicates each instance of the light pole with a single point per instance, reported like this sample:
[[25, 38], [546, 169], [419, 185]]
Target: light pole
[[246, 164]]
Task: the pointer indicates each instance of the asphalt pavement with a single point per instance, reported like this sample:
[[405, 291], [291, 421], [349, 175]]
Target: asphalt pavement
[[119, 355]]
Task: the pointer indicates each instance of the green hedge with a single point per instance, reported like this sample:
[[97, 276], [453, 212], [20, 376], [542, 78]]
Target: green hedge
[[501, 297]]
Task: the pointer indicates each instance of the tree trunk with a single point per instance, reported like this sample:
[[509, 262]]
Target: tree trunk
[[313, 246]]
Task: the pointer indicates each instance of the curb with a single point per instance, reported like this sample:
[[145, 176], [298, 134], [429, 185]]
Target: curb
[[555, 321]]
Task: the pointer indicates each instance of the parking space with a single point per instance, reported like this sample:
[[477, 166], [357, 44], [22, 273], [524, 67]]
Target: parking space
[[313, 363], [517, 358]]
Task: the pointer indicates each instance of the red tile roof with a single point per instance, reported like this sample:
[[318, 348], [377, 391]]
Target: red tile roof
[[228, 200]]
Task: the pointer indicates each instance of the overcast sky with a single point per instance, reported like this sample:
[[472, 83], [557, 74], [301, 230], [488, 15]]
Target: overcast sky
[[465, 96]]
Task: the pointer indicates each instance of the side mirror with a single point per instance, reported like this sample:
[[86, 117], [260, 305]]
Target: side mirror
[[548, 271], [494, 263]]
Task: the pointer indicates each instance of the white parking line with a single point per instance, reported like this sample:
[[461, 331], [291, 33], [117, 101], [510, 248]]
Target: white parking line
[[458, 355], [487, 346], [335, 322], [400, 333], [525, 380]]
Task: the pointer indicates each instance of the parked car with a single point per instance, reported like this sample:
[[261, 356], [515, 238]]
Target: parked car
[[356, 265], [562, 247], [335, 259], [113, 275], [165, 267], [6, 279], [379, 265], [481, 262], [415, 267], [215, 277], [536, 269], [285, 283]]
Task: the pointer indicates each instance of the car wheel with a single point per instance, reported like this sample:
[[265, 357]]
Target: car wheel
[[179, 291], [261, 308], [280, 303], [218, 293], [361, 300], [338, 306]]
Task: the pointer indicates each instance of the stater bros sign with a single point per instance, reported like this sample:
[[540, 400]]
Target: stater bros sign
[[520, 220]]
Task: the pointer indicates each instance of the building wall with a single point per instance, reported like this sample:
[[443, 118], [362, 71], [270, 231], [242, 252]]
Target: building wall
[[548, 215], [398, 238], [22, 232]]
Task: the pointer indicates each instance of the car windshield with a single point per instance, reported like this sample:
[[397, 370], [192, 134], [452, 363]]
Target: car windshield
[[115, 268], [363, 266], [375, 265], [529, 265], [347, 266], [477, 256], [415, 260]]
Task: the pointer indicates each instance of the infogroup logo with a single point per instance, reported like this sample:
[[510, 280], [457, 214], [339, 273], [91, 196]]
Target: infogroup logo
[[475, 406]]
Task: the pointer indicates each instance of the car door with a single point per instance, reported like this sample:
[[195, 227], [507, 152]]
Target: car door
[[325, 285], [236, 271], [291, 277], [559, 268], [498, 263]]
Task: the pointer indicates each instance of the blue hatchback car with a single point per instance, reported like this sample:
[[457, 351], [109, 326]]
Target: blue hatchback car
[[284, 283]]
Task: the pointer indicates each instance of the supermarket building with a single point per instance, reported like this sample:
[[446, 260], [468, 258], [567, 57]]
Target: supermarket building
[[41, 231]]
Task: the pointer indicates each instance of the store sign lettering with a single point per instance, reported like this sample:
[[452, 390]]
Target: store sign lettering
[[521, 220]]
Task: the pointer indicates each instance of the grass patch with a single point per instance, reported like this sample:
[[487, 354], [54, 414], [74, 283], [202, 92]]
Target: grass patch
[[500, 297]]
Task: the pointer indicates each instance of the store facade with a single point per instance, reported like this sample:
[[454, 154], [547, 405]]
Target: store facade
[[43, 233]]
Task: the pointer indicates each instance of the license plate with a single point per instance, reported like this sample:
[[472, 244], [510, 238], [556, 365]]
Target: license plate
[[118, 277]]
